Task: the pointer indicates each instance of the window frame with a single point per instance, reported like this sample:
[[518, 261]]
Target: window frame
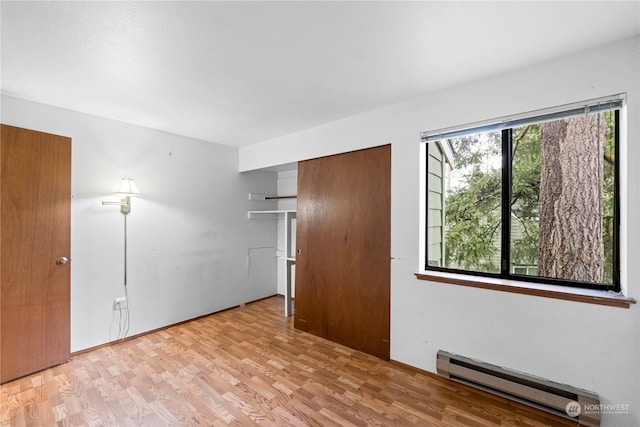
[[506, 126]]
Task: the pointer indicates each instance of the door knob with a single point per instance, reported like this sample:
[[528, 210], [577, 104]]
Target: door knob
[[299, 251], [62, 260]]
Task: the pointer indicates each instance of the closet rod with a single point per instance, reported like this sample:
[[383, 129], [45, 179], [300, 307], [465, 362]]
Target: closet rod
[[279, 197]]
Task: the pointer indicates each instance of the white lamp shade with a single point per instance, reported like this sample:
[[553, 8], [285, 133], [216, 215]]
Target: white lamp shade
[[128, 187]]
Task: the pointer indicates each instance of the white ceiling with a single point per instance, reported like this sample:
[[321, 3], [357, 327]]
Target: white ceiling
[[238, 73]]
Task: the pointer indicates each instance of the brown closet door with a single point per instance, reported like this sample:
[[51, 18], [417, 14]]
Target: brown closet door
[[35, 233], [344, 249]]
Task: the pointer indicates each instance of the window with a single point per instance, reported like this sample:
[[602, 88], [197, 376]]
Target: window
[[533, 198]]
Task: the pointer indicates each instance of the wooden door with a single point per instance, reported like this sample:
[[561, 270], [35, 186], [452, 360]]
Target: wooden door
[[344, 249], [35, 215]]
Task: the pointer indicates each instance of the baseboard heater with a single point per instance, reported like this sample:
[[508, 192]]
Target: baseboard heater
[[566, 401]]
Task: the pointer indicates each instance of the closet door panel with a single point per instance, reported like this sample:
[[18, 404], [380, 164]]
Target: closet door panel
[[344, 249]]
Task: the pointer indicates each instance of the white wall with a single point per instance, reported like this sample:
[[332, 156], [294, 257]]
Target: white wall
[[584, 345], [192, 250]]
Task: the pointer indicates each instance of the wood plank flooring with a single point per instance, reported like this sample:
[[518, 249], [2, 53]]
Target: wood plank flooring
[[242, 367]]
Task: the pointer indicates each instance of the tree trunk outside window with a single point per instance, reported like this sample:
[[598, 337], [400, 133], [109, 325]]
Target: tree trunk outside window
[[571, 199]]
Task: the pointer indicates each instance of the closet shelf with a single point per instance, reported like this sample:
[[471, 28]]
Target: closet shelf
[[270, 213], [258, 197]]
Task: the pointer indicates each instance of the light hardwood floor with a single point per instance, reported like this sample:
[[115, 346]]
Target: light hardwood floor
[[242, 367]]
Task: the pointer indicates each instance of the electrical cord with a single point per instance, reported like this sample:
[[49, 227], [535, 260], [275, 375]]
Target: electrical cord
[[123, 328], [127, 314], [124, 319]]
